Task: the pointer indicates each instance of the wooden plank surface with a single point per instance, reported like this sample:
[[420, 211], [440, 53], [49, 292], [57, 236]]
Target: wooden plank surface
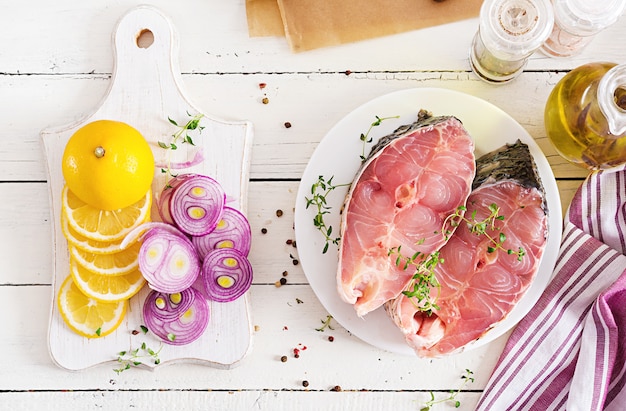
[[56, 63]]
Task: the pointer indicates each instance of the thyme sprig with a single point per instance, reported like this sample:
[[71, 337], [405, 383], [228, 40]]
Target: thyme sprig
[[319, 192], [423, 280], [325, 324], [484, 227], [181, 136], [365, 137], [467, 378], [135, 357]]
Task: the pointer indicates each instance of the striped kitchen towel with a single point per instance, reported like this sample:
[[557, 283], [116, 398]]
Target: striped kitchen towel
[[569, 352]]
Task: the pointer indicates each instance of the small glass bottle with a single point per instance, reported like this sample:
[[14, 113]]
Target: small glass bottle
[[585, 116], [576, 22], [509, 32]]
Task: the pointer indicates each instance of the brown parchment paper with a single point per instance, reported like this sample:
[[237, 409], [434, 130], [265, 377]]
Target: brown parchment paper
[[310, 24], [264, 18]]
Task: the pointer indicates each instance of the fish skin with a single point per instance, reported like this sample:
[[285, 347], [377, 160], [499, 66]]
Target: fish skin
[[478, 288], [411, 181]]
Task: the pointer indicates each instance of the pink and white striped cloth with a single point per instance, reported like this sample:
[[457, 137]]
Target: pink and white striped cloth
[[569, 352]]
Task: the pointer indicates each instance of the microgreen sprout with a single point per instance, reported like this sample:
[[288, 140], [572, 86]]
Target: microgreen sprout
[[467, 378], [485, 227], [423, 280], [181, 136], [325, 324], [365, 137], [319, 191], [135, 357]]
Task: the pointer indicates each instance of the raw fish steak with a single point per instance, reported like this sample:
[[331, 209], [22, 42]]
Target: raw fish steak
[[412, 180], [478, 287]]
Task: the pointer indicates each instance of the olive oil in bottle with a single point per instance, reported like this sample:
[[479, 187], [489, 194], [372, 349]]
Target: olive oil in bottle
[[585, 116]]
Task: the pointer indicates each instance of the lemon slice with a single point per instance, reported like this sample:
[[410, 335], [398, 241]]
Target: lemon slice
[[87, 316], [102, 225], [119, 263], [106, 288], [86, 244]]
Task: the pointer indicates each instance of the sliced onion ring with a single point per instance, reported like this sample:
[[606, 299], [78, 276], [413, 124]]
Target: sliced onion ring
[[226, 275], [164, 197], [168, 260], [178, 318], [232, 231], [196, 204], [137, 233]]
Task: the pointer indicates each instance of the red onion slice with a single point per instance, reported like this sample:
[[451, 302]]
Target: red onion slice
[[178, 318], [164, 197], [196, 204], [232, 231], [226, 274], [168, 261]]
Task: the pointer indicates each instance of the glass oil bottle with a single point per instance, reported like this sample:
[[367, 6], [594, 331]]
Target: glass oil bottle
[[585, 116]]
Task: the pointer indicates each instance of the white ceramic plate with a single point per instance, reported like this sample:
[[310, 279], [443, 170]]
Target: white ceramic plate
[[338, 155]]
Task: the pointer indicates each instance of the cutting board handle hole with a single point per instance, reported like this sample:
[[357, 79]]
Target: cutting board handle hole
[[144, 38]]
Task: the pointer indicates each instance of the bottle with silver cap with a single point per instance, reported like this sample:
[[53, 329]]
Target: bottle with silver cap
[[576, 22], [509, 32]]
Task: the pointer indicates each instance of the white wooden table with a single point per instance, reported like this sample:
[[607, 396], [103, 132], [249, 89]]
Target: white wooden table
[[55, 66]]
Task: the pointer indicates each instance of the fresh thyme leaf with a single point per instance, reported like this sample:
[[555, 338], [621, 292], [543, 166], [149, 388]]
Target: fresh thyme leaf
[[319, 192], [171, 337], [181, 135], [325, 324], [134, 357], [99, 331], [366, 139], [466, 378], [144, 329]]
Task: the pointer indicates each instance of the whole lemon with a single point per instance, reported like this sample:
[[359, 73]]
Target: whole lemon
[[108, 164]]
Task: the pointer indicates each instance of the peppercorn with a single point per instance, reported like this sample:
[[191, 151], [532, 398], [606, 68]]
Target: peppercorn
[[283, 358], [265, 100], [285, 273], [295, 262], [336, 388], [279, 213], [283, 281], [331, 338], [287, 124], [305, 383], [288, 242], [264, 230]]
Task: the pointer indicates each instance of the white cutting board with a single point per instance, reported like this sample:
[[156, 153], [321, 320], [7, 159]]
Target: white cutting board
[[145, 90]]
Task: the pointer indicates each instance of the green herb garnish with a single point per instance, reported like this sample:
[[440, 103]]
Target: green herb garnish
[[181, 136], [482, 227], [466, 377], [423, 280], [134, 358], [365, 137], [319, 191], [325, 324]]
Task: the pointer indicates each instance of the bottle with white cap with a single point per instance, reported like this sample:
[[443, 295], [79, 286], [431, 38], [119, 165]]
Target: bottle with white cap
[[576, 22], [509, 32]]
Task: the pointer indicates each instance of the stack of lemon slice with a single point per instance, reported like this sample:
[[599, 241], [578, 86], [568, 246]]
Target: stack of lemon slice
[[103, 276]]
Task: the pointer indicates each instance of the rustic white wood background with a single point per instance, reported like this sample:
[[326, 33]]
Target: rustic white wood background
[[55, 66]]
